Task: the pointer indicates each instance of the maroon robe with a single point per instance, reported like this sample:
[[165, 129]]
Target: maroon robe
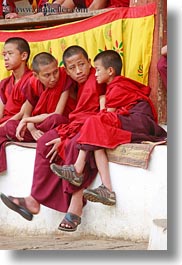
[[47, 188], [107, 130], [1, 8], [162, 68], [8, 133], [47, 100]]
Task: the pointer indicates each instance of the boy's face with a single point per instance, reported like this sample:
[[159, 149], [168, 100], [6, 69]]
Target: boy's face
[[78, 68], [12, 56], [102, 74], [48, 74]]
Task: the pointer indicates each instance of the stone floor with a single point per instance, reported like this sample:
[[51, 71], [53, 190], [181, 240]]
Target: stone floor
[[67, 242]]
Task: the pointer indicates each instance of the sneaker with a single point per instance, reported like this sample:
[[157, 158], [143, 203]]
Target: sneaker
[[68, 173], [100, 194]]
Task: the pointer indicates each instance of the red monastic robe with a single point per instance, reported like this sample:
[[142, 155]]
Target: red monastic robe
[[47, 188], [14, 95], [105, 129], [50, 96], [46, 100], [1, 8], [87, 105], [119, 3]]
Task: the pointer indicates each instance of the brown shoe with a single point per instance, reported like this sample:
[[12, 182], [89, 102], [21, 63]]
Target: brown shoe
[[68, 173], [100, 194]]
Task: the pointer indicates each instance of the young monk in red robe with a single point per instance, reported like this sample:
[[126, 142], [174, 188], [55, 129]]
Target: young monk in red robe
[[55, 99], [128, 116], [14, 89], [47, 188]]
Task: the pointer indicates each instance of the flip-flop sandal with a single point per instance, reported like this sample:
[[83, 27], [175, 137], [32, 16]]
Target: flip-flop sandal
[[72, 220], [68, 173], [21, 208]]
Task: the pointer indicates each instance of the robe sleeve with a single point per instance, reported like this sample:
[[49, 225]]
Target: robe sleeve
[[2, 93], [32, 90], [5, 88]]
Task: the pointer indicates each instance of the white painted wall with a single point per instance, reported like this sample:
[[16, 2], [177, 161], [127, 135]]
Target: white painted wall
[[141, 197]]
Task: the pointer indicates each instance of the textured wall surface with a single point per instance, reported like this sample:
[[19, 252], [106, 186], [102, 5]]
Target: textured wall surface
[[141, 197]]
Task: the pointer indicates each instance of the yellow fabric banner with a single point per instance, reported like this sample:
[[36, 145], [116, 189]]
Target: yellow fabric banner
[[129, 31]]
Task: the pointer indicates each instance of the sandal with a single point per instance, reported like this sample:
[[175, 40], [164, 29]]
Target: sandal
[[21, 208], [68, 173], [72, 220]]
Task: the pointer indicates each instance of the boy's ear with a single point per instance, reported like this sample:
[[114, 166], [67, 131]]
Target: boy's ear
[[89, 60], [24, 56], [111, 71], [35, 74]]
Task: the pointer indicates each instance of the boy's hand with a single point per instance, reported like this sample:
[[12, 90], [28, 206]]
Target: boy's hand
[[36, 134], [11, 16], [20, 130], [54, 150]]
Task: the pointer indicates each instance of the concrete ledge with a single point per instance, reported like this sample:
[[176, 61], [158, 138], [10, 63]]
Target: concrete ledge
[[158, 235], [141, 197]]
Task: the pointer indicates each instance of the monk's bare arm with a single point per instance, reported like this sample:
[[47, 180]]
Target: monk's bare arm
[[111, 109], [59, 110], [62, 102], [102, 102], [26, 112]]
